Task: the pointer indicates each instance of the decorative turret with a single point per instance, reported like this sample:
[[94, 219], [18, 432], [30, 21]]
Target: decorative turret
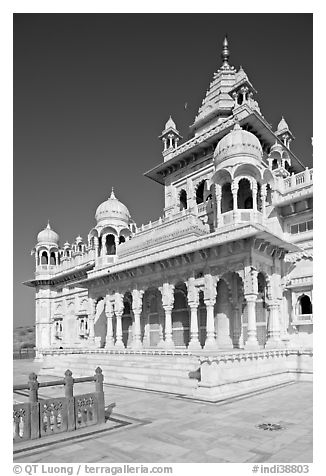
[[47, 248], [279, 160], [170, 135], [113, 227], [284, 133]]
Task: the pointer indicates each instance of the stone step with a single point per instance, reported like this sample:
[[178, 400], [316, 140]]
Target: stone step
[[141, 373], [108, 369], [131, 365]]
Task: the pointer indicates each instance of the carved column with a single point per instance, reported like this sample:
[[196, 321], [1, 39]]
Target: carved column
[[96, 246], [91, 321], [252, 342], [103, 249], [273, 330], [274, 318], [210, 299], [109, 343], [167, 303], [254, 195], [234, 190], [193, 302], [237, 329], [137, 305], [251, 291], [263, 195], [118, 310], [218, 194]]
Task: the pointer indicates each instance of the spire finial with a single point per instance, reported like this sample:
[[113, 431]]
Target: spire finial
[[48, 225], [112, 193], [225, 53]]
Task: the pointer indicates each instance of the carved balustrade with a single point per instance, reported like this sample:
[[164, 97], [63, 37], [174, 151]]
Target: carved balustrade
[[37, 419]]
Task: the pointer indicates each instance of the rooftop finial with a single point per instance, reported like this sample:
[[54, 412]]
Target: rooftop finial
[[112, 193], [48, 225], [225, 53]]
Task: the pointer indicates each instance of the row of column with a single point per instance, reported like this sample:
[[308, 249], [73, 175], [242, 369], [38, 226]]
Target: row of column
[[234, 190], [214, 340]]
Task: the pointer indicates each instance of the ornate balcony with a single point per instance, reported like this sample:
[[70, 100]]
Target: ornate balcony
[[234, 217], [297, 186], [302, 320]]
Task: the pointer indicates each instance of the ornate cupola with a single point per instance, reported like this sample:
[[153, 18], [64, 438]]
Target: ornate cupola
[[279, 160], [237, 144], [284, 133], [170, 136], [47, 248]]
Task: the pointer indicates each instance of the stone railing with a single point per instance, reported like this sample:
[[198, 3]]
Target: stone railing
[[106, 260], [240, 216], [65, 265], [234, 373], [302, 319], [298, 180], [161, 221], [201, 207], [36, 419]]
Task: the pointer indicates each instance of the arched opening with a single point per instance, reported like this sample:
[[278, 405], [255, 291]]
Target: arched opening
[[305, 306], [110, 245], [127, 321], [180, 316], [268, 194], [258, 198], [202, 318], [153, 324], [200, 192], [227, 198], [261, 309], [244, 194], [287, 166], [44, 258], [80, 248], [100, 322], [52, 258], [274, 164], [183, 200], [222, 312], [122, 239]]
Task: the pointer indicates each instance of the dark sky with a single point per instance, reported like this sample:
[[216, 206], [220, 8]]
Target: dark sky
[[92, 93]]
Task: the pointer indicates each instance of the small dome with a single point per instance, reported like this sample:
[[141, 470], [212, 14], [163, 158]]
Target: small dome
[[48, 236], [112, 210], [66, 245], [79, 239], [276, 148], [282, 125], [238, 142]]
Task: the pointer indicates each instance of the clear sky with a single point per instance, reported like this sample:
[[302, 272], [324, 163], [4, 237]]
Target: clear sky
[[92, 93]]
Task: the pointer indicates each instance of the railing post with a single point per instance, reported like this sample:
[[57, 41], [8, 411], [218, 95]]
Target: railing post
[[69, 395], [34, 405], [99, 379]]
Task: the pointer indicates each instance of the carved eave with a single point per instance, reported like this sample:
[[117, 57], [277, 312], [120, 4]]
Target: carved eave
[[208, 248], [67, 278], [205, 143]]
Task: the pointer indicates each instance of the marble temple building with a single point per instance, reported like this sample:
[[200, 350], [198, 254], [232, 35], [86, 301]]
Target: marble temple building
[[226, 270]]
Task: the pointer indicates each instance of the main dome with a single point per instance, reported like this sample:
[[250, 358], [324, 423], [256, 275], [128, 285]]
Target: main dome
[[238, 142], [48, 236], [112, 210]]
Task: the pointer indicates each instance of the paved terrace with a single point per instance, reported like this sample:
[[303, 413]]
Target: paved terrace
[[150, 427]]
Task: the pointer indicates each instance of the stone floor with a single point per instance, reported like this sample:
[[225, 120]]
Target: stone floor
[[165, 428]]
